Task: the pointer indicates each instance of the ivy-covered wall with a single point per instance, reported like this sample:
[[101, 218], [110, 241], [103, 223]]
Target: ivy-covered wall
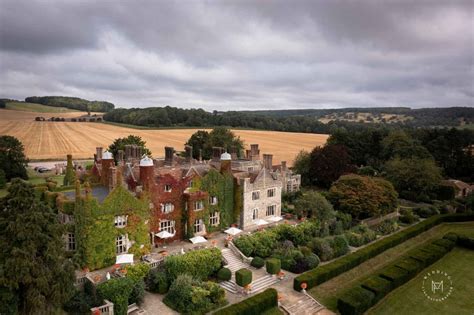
[[94, 226]]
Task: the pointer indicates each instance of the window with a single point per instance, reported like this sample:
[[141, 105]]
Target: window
[[190, 185], [198, 205], [167, 207], [167, 188], [121, 244], [198, 226], [255, 195], [271, 192], [255, 214], [167, 225], [71, 242], [214, 219], [271, 210], [120, 221], [213, 200]]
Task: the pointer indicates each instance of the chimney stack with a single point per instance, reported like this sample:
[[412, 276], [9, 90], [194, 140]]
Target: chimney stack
[[120, 156], [283, 166], [98, 152], [189, 153], [169, 153], [216, 153], [254, 152], [248, 156], [233, 152], [200, 155], [112, 178], [267, 161], [128, 152]]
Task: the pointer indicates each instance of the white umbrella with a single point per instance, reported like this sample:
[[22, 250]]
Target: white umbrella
[[260, 222], [124, 259], [164, 234], [198, 239], [233, 231], [275, 219]]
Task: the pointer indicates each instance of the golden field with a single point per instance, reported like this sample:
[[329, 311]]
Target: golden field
[[53, 140]]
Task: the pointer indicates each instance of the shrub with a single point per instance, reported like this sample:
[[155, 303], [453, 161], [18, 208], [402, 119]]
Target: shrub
[[224, 274], [467, 242], [199, 264], [137, 272], [273, 265], [380, 287], [191, 296], [322, 248], [138, 292], [243, 277], [339, 245], [256, 304], [118, 291], [328, 271], [396, 275], [411, 265], [408, 218], [360, 235], [426, 212], [386, 227], [157, 281], [451, 236], [257, 262], [446, 243], [355, 301], [79, 303]]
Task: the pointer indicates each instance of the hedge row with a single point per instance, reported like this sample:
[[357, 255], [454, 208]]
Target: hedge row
[[391, 277], [467, 242], [256, 304], [324, 273]]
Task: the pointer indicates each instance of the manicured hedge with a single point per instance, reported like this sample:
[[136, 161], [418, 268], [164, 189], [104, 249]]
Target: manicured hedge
[[273, 265], [324, 273], [224, 274], [256, 304], [467, 242], [397, 276], [355, 301], [243, 277], [257, 262], [446, 243], [411, 265], [379, 286]]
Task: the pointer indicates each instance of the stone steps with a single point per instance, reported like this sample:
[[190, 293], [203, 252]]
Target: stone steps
[[305, 306], [230, 286], [262, 283], [233, 262]]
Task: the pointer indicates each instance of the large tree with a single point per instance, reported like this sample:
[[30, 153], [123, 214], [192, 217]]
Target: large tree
[[414, 178], [301, 165], [120, 143], [363, 196], [35, 275], [328, 163], [400, 144], [312, 204], [12, 158], [218, 137]]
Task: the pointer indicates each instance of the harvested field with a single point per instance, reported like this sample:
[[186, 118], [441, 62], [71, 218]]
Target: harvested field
[[53, 140]]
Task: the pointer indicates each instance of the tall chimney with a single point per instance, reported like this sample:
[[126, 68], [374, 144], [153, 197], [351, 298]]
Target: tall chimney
[[98, 152], [189, 153], [283, 166], [112, 178], [147, 170], [200, 155], [233, 152], [128, 152], [120, 155], [248, 154], [255, 152], [267, 161], [169, 152]]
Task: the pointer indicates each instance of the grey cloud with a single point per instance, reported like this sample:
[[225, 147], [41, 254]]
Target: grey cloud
[[238, 54]]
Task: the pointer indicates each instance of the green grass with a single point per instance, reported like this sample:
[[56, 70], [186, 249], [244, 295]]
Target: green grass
[[328, 292], [32, 107], [409, 298], [40, 178]]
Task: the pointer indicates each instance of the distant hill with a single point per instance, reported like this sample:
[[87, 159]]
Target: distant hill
[[32, 107], [72, 103]]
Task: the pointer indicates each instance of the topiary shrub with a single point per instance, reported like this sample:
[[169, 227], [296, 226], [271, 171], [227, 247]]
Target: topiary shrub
[[257, 262], [355, 301], [118, 291], [243, 277], [396, 275], [380, 287], [157, 281], [224, 274], [451, 236], [273, 265], [256, 304], [199, 263]]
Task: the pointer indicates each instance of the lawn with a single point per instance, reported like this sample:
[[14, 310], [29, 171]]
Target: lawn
[[409, 299], [328, 292], [32, 107]]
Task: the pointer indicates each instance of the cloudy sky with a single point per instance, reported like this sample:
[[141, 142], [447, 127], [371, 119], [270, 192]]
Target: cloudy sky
[[240, 54]]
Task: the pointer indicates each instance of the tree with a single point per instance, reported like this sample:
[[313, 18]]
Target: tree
[[301, 166], [401, 145], [414, 178], [120, 143], [70, 177], [329, 163], [363, 196], [218, 137], [3, 179], [35, 270], [12, 158], [313, 205]]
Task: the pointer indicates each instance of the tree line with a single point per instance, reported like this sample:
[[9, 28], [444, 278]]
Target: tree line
[[72, 103]]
